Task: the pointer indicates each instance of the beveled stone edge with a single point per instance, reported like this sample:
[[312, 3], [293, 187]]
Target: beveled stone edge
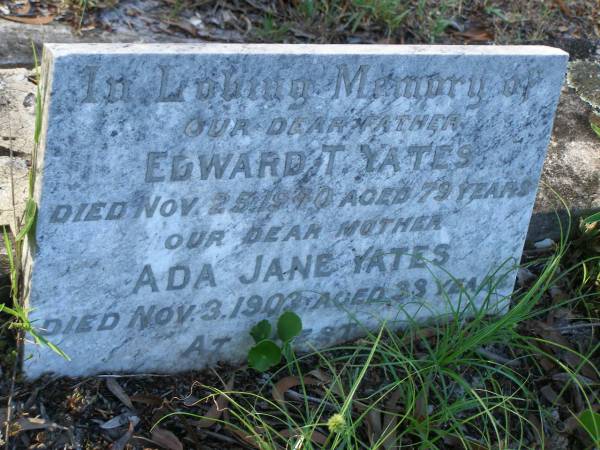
[[306, 49]]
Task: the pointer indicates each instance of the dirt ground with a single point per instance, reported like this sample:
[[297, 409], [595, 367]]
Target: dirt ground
[[574, 24]]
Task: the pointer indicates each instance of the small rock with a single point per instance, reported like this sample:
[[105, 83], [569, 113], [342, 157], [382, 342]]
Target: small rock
[[544, 244], [29, 100], [524, 275]]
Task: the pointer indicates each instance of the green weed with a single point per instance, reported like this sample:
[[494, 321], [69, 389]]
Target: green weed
[[590, 421], [14, 240], [269, 30], [266, 353], [82, 7], [390, 12]]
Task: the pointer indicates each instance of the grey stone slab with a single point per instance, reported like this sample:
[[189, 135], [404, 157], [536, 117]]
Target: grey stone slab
[[571, 169], [186, 192], [17, 120]]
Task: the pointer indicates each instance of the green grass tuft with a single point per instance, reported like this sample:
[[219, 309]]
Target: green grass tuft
[[468, 380]]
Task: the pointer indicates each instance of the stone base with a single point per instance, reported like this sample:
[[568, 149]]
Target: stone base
[[17, 124], [571, 171]]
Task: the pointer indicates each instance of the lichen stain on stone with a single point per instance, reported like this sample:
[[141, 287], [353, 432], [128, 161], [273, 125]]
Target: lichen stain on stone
[[584, 77]]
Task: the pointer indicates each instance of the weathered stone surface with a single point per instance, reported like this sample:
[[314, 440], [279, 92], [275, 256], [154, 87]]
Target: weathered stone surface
[[16, 137], [17, 118], [187, 192], [16, 39], [571, 172], [574, 178]]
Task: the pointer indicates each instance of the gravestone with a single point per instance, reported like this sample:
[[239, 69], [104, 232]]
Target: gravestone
[[186, 192]]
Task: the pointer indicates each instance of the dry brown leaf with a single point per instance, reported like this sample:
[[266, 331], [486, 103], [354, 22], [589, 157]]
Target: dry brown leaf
[[549, 333], [316, 437], [476, 445], [572, 359], [286, 383], [565, 377], [320, 375], [459, 443], [476, 35], [453, 441], [120, 443], [123, 440], [563, 7], [390, 420], [150, 400], [558, 295], [546, 363], [166, 439], [247, 438], [569, 425], [577, 398], [114, 387], [41, 20], [183, 25], [117, 421], [421, 334], [576, 362], [537, 427], [216, 410], [421, 405], [33, 423], [190, 400], [23, 9], [373, 420], [550, 394], [336, 388]]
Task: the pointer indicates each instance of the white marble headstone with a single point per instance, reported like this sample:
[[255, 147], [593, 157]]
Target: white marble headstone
[[186, 192]]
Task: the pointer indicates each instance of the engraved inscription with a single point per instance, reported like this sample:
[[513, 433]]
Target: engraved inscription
[[216, 186]]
